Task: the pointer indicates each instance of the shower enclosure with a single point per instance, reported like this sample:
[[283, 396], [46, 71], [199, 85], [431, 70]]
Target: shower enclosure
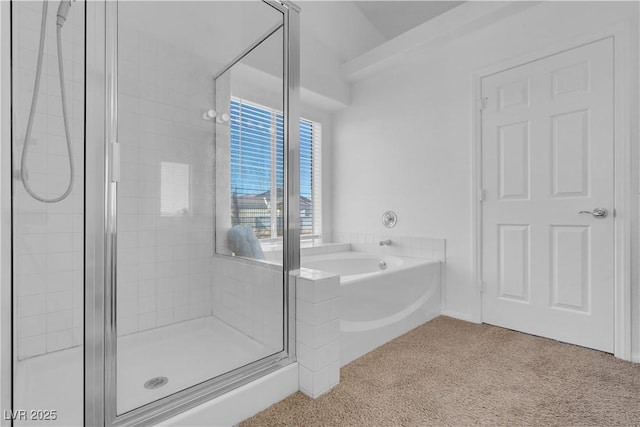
[[140, 294]]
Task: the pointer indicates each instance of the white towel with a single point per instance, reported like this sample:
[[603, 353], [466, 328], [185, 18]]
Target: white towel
[[243, 242]]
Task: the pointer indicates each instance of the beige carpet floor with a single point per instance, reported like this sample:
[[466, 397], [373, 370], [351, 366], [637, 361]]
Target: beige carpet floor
[[454, 373]]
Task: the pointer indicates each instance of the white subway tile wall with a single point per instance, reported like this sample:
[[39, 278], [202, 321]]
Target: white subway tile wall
[[165, 203], [317, 331], [48, 238], [248, 296]]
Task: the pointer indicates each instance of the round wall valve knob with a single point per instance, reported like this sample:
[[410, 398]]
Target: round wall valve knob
[[389, 219]]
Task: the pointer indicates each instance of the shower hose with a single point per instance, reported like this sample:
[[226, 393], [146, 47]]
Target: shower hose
[[32, 112]]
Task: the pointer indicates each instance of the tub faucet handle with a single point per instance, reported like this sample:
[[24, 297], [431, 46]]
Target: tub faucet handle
[[385, 242]]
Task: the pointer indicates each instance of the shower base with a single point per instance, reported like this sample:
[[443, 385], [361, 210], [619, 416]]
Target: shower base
[[186, 354]]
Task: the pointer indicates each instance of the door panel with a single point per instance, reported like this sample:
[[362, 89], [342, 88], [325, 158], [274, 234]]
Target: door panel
[[514, 266], [514, 161], [547, 154], [570, 267], [570, 154]]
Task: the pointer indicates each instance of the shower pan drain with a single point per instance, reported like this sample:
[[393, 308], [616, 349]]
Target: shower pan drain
[[156, 382]]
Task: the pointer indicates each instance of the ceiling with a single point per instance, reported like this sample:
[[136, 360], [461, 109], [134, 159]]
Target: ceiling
[[346, 28], [351, 28], [332, 33], [393, 18]]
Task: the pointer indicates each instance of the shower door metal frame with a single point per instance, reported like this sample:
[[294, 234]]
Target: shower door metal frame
[[6, 184], [96, 235], [101, 230]]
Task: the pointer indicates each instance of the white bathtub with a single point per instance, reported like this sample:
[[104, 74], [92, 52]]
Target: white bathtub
[[378, 305]]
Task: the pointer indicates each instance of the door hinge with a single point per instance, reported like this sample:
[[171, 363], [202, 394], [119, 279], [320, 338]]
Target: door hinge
[[115, 161], [483, 103]]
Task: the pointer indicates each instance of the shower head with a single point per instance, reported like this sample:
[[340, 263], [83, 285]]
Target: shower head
[[63, 12]]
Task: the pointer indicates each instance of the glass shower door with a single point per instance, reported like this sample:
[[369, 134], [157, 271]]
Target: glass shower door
[[190, 309]]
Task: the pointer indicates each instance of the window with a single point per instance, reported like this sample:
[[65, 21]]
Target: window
[[257, 171]]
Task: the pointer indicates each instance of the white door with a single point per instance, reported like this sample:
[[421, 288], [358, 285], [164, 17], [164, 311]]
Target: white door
[[547, 154]]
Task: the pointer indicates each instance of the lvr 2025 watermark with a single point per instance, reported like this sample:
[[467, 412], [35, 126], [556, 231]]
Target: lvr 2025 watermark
[[30, 414]]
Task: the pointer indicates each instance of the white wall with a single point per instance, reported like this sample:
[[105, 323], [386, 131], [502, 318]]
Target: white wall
[[404, 142]]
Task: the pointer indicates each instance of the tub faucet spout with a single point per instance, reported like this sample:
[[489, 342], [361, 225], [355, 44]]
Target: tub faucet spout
[[385, 242]]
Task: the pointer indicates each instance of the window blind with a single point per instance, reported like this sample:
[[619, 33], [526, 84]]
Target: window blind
[[257, 170], [306, 177]]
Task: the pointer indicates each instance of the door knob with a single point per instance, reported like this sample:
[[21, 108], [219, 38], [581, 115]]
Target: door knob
[[598, 213]]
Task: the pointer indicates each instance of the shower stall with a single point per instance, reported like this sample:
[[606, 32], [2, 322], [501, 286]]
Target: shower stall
[[135, 291]]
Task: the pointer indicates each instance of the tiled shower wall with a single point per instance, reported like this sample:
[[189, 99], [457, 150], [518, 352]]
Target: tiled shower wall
[[166, 193], [165, 240], [48, 238], [248, 296]]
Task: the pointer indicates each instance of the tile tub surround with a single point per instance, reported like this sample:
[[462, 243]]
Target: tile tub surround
[[410, 246], [274, 254], [317, 331], [48, 238], [414, 247]]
